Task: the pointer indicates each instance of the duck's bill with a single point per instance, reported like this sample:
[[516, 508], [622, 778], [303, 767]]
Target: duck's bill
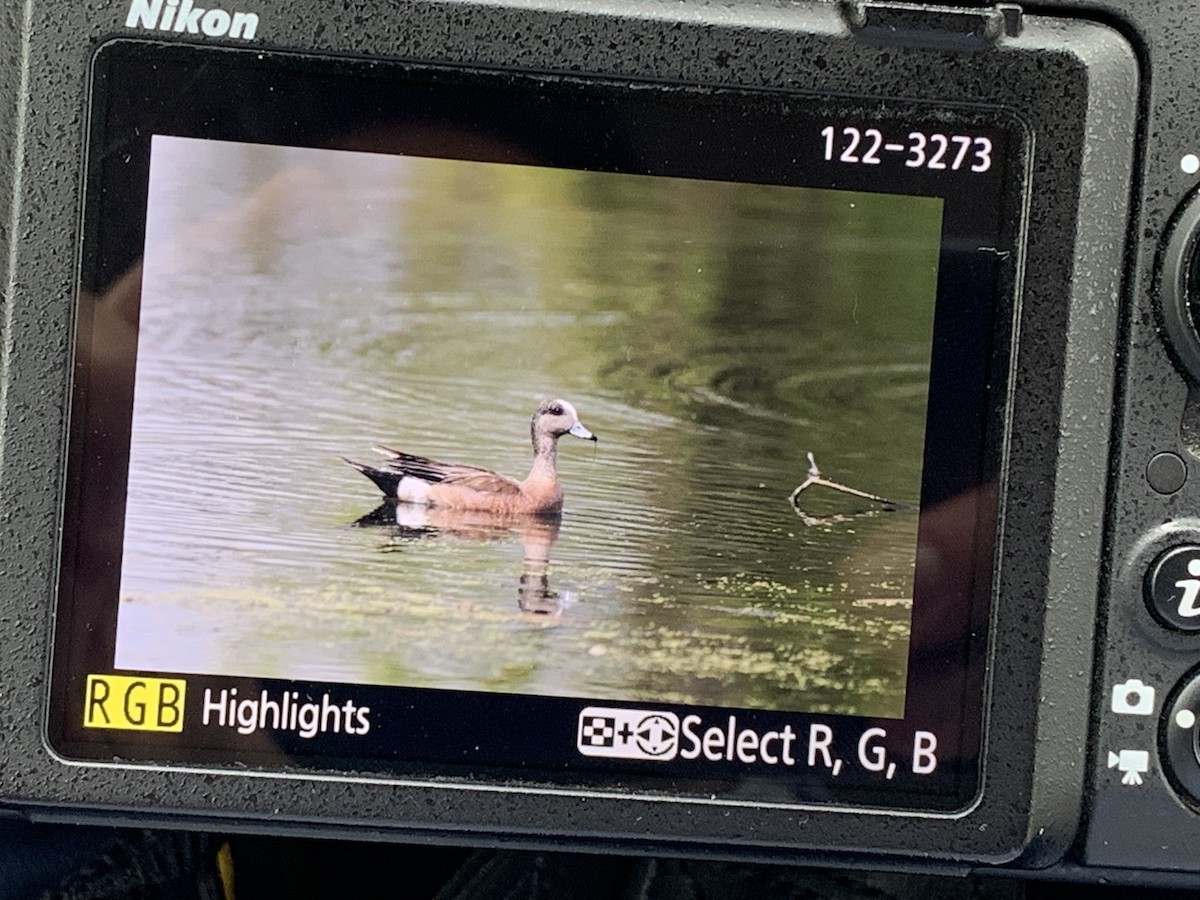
[[580, 432]]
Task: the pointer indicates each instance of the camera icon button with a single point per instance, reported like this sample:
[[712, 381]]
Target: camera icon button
[[1132, 698]]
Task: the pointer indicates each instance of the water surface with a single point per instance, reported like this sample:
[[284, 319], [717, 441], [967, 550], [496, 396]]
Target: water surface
[[300, 306]]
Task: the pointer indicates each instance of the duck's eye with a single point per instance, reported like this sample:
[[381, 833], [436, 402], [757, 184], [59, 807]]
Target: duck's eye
[[555, 410]]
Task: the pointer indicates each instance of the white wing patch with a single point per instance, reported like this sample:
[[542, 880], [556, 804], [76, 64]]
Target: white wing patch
[[413, 490]]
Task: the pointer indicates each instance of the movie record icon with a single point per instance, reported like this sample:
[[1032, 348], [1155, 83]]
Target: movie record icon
[[628, 733]]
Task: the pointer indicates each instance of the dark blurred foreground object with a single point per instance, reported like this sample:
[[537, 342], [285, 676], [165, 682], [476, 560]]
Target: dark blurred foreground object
[[65, 862], [60, 862]]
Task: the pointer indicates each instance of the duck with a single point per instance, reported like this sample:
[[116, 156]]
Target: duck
[[426, 482]]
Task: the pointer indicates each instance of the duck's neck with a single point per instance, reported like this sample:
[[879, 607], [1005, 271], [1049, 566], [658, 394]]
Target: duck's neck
[[545, 456]]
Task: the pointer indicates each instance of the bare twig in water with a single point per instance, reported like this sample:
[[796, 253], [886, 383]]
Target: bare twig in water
[[815, 478]]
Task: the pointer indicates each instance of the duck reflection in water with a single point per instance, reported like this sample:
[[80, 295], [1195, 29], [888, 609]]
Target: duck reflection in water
[[426, 497], [538, 534]]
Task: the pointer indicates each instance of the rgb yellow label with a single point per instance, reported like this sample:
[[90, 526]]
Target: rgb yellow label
[[134, 704]]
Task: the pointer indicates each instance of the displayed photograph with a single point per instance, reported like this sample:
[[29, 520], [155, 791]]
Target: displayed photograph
[[488, 427]]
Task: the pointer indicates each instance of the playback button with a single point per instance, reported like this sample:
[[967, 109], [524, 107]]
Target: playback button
[[1172, 588]]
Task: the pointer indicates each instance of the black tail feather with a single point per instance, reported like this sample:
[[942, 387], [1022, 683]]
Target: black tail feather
[[384, 480]]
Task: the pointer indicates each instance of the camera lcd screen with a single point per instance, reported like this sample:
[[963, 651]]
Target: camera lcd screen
[[301, 305], [447, 423]]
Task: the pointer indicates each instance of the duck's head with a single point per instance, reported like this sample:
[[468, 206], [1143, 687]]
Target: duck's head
[[554, 418]]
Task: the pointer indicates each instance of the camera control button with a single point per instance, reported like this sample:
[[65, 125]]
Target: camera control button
[[1181, 736], [1181, 286], [1172, 588], [1166, 473]]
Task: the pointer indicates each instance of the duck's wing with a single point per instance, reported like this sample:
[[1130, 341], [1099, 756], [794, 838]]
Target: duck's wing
[[483, 482], [471, 478], [399, 466], [426, 469]]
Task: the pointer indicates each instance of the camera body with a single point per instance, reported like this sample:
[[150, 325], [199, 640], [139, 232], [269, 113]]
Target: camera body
[[1072, 703]]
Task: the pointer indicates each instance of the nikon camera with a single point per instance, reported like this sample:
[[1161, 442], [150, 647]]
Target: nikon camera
[[779, 424]]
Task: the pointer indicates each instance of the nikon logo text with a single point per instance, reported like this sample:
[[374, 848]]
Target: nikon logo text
[[182, 17]]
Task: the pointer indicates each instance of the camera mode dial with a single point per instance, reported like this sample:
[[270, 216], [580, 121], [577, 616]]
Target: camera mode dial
[[1180, 735]]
